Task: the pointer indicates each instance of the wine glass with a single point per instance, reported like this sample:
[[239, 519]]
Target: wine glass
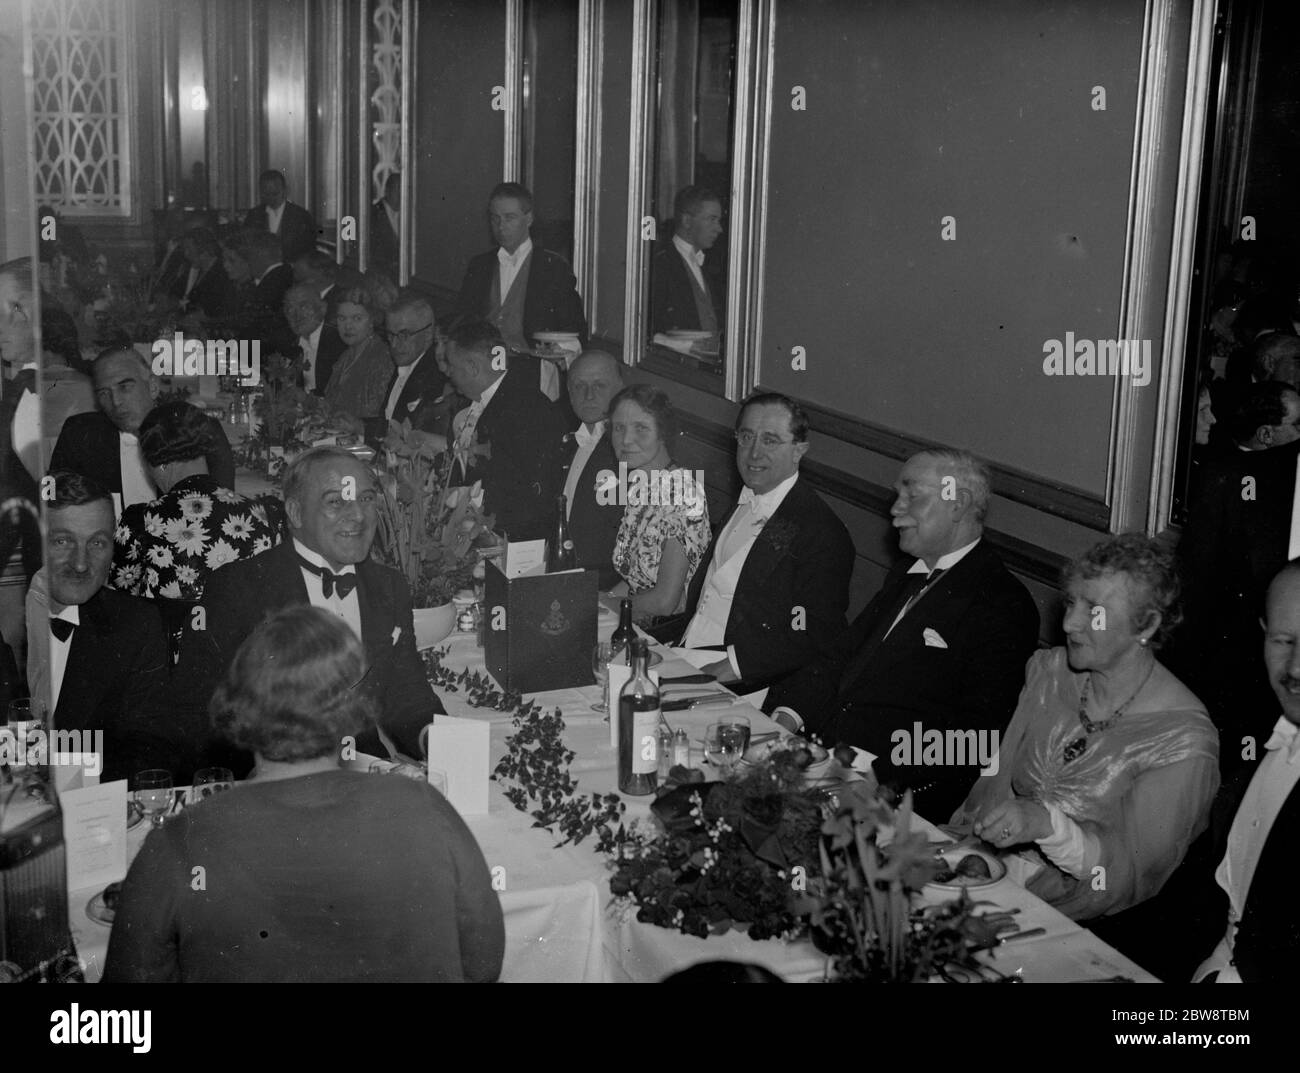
[[724, 745], [600, 657], [24, 720], [153, 793], [209, 781], [741, 725]]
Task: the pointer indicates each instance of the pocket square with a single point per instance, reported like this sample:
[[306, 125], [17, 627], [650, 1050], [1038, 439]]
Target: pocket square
[[397, 633], [933, 640]]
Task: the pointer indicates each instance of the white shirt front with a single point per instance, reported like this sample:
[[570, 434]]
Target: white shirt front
[[466, 421], [191, 279], [273, 218], [59, 653], [399, 385], [587, 438], [694, 260], [946, 562], [136, 485], [708, 626], [509, 264], [1273, 782], [27, 431], [348, 609], [310, 344]]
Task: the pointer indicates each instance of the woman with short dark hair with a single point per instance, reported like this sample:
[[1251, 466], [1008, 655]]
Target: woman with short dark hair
[[1109, 765], [309, 872]]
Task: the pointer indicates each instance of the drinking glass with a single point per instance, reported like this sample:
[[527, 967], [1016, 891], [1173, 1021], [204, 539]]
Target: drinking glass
[[153, 793], [209, 781], [724, 745], [24, 720], [600, 657], [741, 725]]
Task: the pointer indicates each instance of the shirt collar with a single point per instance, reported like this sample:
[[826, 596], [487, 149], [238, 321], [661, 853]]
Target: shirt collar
[[588, 439], [317, 560], [517, 258], [314, 338], [488, 392], [688, 251], [1286, 737], [946, 562], [765, 505], [130, 439], [71, 613]]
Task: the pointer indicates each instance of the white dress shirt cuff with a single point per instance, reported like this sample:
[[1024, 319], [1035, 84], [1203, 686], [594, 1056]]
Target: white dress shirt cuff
[[1069, 846]]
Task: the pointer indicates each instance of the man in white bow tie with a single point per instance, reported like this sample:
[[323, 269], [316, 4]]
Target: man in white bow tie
[[681, 294], [777, 583], [1257, 868], [594, 379]]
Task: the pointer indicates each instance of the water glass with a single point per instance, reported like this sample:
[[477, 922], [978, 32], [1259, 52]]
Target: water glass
[[153, 793], [209, 781], [600, 657], [724, 746], [741, 725]]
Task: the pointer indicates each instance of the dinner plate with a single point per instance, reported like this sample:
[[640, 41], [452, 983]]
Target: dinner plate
[[954, 856]]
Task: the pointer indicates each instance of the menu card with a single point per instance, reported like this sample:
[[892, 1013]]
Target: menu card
[[458, 751], [94, 834], [525, 557]]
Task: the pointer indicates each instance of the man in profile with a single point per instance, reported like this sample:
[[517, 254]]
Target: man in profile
[[103, 445], [520, 289], [682, 296], [943, 644], [291, 224], [509, 436], [330, 498], [775, 587], [594, 379], [318, 342]]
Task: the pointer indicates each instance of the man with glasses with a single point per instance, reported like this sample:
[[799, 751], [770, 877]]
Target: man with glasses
[[330, 498], [418, 383], [777, 584], [318, 342]]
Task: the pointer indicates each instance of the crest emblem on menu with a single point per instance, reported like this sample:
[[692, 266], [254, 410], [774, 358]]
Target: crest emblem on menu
[[555, 623]]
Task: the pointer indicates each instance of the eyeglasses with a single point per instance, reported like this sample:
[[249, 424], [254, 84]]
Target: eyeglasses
[[768, 441], [402, 337]]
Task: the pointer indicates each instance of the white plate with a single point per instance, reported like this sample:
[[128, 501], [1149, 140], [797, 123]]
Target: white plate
[[953, 857]]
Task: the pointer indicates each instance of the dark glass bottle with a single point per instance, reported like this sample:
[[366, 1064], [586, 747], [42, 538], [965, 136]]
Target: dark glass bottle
[[562, 553], [623, 637], [638, 728]]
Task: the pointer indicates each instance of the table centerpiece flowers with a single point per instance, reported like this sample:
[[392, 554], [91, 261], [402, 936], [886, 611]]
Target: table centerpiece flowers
[[777, 854]]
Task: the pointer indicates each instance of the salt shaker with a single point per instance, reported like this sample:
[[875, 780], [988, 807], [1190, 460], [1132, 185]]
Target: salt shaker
[[681, 749]]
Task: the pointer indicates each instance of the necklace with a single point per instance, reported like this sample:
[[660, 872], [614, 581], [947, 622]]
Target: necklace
[[1076, 748]]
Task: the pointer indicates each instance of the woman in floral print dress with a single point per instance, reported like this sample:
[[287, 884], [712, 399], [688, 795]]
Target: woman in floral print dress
[[166, 549]]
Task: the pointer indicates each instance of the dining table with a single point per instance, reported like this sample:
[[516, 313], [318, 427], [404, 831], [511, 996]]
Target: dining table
[[562, 923]]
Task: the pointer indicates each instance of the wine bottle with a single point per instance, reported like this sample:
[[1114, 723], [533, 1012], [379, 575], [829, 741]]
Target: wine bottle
[[623, 637], [563, 556], [638, 727]]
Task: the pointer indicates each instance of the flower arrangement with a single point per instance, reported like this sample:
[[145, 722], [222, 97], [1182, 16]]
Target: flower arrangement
[[428, 531]]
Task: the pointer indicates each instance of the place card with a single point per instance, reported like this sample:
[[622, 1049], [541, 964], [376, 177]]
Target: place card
[[524, 558], [458, 751], [94, 834]]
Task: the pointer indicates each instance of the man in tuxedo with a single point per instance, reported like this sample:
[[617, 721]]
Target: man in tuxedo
[[385, 228], [416, 391], [330, 497], [1256, 852], [262, 314], [520, 289], [319, 343], [776, 586], [292, 225], [205, 288], [96, 656], [509, 437], [943, 644], [594, 378], [103, 445], [681, 293], [1238, 535]]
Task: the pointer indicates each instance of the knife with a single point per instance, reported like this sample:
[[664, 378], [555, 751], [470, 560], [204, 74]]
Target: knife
[[698, 679], [694, 702]]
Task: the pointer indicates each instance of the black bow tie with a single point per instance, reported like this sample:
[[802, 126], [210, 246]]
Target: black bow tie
[[330, 581], [62, 628]]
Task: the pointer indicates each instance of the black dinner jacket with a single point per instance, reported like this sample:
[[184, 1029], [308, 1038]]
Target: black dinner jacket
[[1230, 550], [867, 686], [328, 348], [419, 394], [802, 558], [88, 445], [173, 270], [297, 229], [551, 302], [673, 296], [521, 471], [593, 526], [115, 682], [213, 294], [241, 594]]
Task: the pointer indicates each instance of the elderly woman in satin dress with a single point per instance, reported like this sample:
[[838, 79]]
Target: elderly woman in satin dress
[[358, 386], [1108, 768]]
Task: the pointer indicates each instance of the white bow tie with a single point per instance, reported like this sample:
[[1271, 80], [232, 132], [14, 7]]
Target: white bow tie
[[583, 438], [698, 257], [751, 499], [1286, 735]]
